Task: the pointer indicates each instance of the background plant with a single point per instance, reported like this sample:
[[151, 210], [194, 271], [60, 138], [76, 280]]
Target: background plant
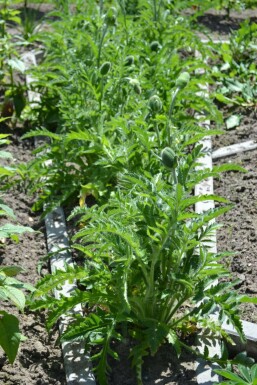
[[11, 65], [235, 75], [97, 122], [241, 370]]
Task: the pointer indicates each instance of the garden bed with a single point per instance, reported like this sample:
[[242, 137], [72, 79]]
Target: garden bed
[[40, 361], [39, 358], [239, 233]]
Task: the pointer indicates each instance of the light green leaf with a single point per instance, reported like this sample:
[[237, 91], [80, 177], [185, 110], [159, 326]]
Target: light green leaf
[[17, 64], [3, 136], [245, 372], [4, 171], [15, 295], [5, 155], [10, 271], [228, 167], [80, 135], [224, 99], [190, 201], [254, 373], [232, 122], [225, 66], [247, 299], [9, 229], [231, 376], [6, 210]]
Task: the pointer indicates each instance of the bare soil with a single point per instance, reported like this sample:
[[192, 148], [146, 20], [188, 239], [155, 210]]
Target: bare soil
[[39, 360], [164, 368], [239, 233]]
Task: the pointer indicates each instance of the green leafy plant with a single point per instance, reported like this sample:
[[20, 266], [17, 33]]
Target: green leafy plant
[[148, 269], [241, 370], [246, 376], [11, 63], [236, 73], [119, 99], [99, 122]]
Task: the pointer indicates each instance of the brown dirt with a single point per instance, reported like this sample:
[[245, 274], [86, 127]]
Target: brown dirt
[[219, 25], [239, 233], [247, 130], [39, 361], [164, 368]]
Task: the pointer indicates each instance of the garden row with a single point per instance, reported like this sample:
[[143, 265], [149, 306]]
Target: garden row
[[123, 113]]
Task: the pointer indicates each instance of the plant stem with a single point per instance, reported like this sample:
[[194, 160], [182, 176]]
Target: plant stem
[[101, 94], [175, 177], [104, 30], [174, 96], [123, 9], [157, 134], [101, 7], [184, 316], [154, 10]]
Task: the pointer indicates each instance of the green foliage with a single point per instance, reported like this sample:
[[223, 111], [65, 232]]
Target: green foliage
[[147, 256], [112, 124], [236, 72], [10, 335], [240, 371], [99, 125], [10, 63]]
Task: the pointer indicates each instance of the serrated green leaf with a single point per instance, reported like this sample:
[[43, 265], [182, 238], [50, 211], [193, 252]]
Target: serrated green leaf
[[174, 341], [247, 299], [190, 201], [155, 334], [196, 138], [228, 167], [81, 135], [46, 133]]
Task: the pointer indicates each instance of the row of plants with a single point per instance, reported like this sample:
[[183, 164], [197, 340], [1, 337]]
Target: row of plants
[[13, 101], [121, 108]]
